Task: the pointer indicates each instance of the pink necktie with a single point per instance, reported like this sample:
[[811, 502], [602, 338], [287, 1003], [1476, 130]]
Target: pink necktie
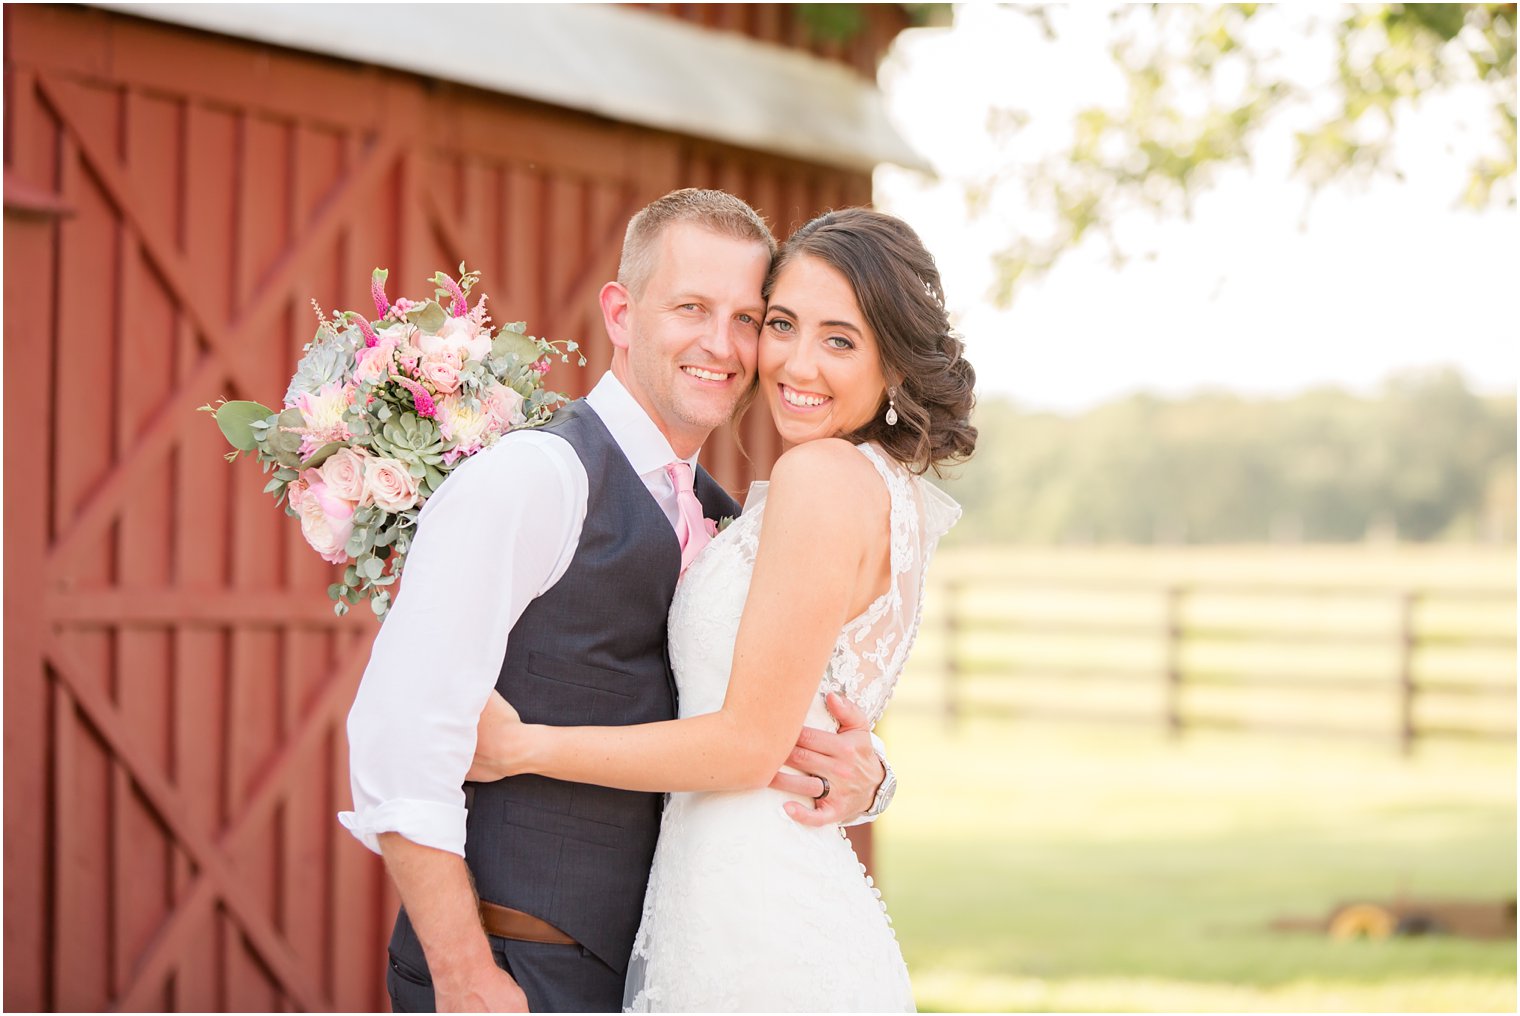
[[691, 527]]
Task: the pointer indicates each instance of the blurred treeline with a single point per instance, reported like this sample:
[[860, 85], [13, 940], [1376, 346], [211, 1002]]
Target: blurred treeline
[[1424, 459]]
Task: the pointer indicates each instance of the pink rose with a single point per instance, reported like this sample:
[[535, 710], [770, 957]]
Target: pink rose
[[441, 372], [343, 473], [374, 363], [400, 332], [504, 406], [327, 520], [389, 485]]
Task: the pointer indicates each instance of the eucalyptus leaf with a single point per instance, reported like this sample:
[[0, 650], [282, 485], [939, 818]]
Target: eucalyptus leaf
[[236, 420], [429, 317], [284, 445], [514, 348], [322, 454], [273, 485], [372, 568]]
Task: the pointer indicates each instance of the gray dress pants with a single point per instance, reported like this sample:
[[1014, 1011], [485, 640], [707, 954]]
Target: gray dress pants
[[556, 978]]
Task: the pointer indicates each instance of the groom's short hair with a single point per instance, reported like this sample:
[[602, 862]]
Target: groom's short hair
[[715, 210]]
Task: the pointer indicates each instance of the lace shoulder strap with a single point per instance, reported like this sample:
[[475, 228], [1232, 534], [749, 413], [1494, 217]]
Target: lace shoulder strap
[[903, 512]]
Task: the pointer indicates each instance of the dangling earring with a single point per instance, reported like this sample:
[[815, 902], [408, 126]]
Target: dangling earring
[[891, 407]]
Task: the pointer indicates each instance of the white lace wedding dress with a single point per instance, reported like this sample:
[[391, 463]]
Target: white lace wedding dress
[[746, 909]]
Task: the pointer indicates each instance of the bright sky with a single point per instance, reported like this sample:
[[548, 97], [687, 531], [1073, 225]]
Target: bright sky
[[1252, 294]]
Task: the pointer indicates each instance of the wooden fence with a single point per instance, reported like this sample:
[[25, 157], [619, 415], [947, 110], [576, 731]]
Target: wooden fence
[[1402, 664]]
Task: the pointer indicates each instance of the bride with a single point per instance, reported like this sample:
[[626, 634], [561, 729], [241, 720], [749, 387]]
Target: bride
[[814, 590]]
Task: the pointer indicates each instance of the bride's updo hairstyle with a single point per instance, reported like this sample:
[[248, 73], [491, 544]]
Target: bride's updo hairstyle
[[898, 288]]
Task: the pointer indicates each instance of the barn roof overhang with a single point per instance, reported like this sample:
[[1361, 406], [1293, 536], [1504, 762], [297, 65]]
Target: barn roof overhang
[[624, 64]]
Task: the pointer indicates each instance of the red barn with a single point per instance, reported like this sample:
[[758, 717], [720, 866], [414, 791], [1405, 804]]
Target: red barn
[[179, 182]]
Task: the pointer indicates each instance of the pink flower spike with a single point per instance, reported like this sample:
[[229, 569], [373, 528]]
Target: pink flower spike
[[541, 365], [458, 308], [377, 292], [370, 338], [420, 397]]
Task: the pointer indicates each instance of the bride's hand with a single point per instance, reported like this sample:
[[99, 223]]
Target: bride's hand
[[499, 740]]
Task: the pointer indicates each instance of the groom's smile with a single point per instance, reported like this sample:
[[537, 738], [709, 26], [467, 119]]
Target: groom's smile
[[708, 375]]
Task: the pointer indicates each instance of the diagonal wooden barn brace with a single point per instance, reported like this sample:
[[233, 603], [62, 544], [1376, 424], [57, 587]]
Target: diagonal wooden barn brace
[[175, 682]]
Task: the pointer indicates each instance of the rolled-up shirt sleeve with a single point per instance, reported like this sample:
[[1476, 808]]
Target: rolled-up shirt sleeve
[[500, 532]]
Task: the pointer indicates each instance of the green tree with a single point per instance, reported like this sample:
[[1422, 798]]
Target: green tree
[[1425, 459], [1201, 85]]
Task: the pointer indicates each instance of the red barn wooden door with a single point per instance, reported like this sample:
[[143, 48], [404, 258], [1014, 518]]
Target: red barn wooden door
[[175, 682]]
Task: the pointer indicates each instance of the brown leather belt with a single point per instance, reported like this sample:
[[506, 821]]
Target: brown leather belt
[[504, 922]]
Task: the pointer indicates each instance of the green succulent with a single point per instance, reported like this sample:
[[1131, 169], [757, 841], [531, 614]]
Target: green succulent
[[412, 441]]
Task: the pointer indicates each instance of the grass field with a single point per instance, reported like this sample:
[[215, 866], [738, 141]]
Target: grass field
[[1039, 865], [1047, 867]]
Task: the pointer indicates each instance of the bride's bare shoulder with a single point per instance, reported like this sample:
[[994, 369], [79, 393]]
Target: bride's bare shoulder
[[831, 472]]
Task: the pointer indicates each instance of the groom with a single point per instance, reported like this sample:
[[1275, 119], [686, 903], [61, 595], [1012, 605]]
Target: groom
[[545, 568]]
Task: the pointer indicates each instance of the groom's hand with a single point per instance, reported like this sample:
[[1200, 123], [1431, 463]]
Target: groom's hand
[[439, 898], [489, 989], [846, 759]]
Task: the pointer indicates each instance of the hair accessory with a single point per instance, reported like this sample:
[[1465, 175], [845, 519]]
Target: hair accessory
[[891, 406]]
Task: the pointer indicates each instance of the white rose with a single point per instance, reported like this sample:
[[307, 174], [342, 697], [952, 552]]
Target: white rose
[[473, 340], [460, 336]]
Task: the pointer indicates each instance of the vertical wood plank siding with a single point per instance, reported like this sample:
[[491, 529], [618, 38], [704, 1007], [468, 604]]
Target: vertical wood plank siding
[[175, 682], [786, 25]]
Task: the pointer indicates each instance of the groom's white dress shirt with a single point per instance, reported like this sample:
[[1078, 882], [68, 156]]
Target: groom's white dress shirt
[[500, 532]]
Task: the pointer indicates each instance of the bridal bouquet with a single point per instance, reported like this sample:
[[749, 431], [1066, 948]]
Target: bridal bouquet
[[377, 415]]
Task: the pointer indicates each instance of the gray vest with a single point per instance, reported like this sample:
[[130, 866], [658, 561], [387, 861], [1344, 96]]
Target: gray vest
[[589, 651]]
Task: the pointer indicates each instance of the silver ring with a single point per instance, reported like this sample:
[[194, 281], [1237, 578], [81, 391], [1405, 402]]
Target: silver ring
[[825, 781]]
